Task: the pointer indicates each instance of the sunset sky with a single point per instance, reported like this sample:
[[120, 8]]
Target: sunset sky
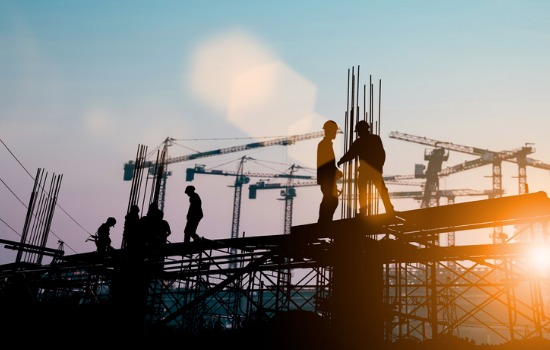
[[83, 83]]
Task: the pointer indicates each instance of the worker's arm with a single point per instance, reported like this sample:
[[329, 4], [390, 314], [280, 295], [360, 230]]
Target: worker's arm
[[350, 155]]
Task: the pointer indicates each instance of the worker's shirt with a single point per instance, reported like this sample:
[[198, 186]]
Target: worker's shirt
[[326, 162], [195, 207], [369, 149]]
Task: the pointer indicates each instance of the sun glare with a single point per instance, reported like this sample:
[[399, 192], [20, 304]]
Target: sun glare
[[540, 257], [216, 63], [239, 77]]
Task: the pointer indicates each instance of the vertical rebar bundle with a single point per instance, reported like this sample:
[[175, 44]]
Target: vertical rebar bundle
[[352, 115], [39, 217]]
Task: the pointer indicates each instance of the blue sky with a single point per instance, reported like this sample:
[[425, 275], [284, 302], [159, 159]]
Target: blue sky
[[83, 83]]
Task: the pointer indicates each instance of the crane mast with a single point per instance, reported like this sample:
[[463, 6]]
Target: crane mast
[[240, 179], [289, 194], [435, 159]]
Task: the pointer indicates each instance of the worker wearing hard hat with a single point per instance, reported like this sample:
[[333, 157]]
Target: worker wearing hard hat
[[103, 239], [327, 173], [372, 156], [194, 215]]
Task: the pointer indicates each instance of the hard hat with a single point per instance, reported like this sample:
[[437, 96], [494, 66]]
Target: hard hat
[[330, 125], [189, 189], [362, 125], [111, 221]]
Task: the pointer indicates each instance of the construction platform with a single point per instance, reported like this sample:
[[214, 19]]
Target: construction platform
[[365, 280]]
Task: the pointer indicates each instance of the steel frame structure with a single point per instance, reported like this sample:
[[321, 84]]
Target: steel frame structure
[[191, 286]]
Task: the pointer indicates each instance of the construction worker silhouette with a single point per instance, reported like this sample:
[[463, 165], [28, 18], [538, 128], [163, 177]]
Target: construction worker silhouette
[[162, 230], [372, 156], [194, 215], [145, 238], [131, 227], [103, 239], [327, 173]]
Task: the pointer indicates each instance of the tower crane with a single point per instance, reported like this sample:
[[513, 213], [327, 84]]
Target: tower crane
[[288, 192], [241, 178], [435, 159], [518, 156], [129, 167]]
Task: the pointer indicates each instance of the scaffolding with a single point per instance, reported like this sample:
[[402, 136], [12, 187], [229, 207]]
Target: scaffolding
[[191, 287]]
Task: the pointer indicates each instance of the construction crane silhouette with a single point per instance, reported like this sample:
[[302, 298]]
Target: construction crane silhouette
[[288, 192], [129, 167], [518, 156], [241, 178]]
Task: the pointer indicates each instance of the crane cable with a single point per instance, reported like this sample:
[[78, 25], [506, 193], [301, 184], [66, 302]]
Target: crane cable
[[22, 166]]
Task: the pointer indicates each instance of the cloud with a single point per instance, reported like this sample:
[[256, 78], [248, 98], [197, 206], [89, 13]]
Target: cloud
[[258, 93], [216, 63]]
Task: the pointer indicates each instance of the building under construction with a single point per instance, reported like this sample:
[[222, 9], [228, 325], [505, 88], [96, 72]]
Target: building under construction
[[367, 279], [357, 282]]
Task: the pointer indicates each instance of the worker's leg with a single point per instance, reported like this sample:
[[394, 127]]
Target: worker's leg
[[329, 203], [362, 182], [193, 232], [188, 231], [378, 181]]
